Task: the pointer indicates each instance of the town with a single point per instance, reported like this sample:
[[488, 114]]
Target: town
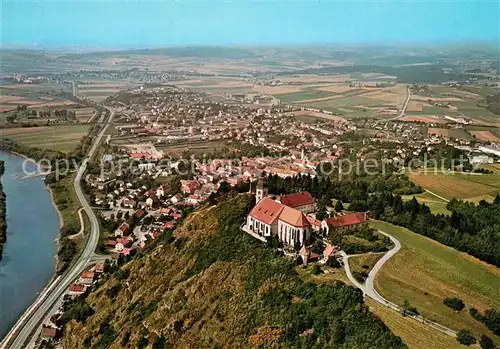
[[172, 150]]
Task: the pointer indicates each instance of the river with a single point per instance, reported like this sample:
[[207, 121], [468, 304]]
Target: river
[[29, 254]]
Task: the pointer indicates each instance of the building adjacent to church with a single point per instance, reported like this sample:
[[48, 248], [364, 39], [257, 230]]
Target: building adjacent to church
[[302, 201]]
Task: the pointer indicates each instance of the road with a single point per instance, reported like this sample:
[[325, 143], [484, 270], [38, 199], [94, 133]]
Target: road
[[82, 226], [369, 290], [405, 105], [23, 329]]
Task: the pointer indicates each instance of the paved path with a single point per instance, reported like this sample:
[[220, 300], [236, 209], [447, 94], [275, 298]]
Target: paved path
[[368, 287], [82, 225], [23, 330], [436, 195]]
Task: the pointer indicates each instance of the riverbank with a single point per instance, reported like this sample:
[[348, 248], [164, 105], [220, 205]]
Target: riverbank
[[28, 263], [3, 212], [59, 213], [67, 205]]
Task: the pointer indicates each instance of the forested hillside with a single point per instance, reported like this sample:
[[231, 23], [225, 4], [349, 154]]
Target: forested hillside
[[209, 285]]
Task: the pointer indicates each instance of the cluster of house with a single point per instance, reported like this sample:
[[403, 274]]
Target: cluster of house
[[292, 218], [87, 278], [127, 238]]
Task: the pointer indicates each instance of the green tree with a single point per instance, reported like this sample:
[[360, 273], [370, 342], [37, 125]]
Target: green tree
[[454, 303], [316, 270], [465, 337], [487, 343], [159, 343], [339, 206], [497, 199], [321, 209]]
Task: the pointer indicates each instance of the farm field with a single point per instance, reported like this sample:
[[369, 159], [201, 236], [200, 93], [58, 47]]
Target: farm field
[[424, 272], [10, 102], [306, 94], [194, 147], [431, 119], [352, 101], [486, 132], [477, 114], [83, 114], [100, 90], [473, 187], [63, 138], [486, 136], [413, 333], [436, 205], [449, 133], [310, 116], [463, 103]]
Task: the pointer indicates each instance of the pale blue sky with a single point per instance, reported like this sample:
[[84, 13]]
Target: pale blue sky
[[120, 23]]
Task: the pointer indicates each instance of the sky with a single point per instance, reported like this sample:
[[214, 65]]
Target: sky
[[118, 24]]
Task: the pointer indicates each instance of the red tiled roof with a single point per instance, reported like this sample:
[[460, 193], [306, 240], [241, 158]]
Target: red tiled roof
[[111, 243], [266, 211], [314, 221], [329, 250], [124, 241], [169, 225], [140, 213], [126, 251], [48, 332], [123, 227], [294, 217], [74, 287], [176, 215], [99, 267], [297, 199], [346, 220], [88, 275]]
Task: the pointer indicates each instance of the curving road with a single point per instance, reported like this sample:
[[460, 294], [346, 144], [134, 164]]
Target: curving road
[[368, 287], [31, 319]]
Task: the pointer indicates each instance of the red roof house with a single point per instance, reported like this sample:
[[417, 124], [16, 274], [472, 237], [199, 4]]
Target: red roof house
[[75, 289], [140, 213], [125, 242], [122, 229], [302, 201], [87, 277], [343, 221], [48, 332]]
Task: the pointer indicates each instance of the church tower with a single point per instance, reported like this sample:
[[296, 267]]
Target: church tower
[[261, 192]]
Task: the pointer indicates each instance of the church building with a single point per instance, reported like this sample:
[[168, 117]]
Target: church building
[[270, 217]]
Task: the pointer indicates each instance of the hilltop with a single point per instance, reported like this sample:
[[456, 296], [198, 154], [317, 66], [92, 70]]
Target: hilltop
[[209, 285]]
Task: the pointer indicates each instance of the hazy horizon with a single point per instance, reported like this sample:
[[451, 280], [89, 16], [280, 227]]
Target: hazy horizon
[[122, 25]]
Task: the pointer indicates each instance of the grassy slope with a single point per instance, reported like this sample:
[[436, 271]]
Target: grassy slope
[[425, 272], [368, 259], [330, 276], [436, 205], [415, 334]]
